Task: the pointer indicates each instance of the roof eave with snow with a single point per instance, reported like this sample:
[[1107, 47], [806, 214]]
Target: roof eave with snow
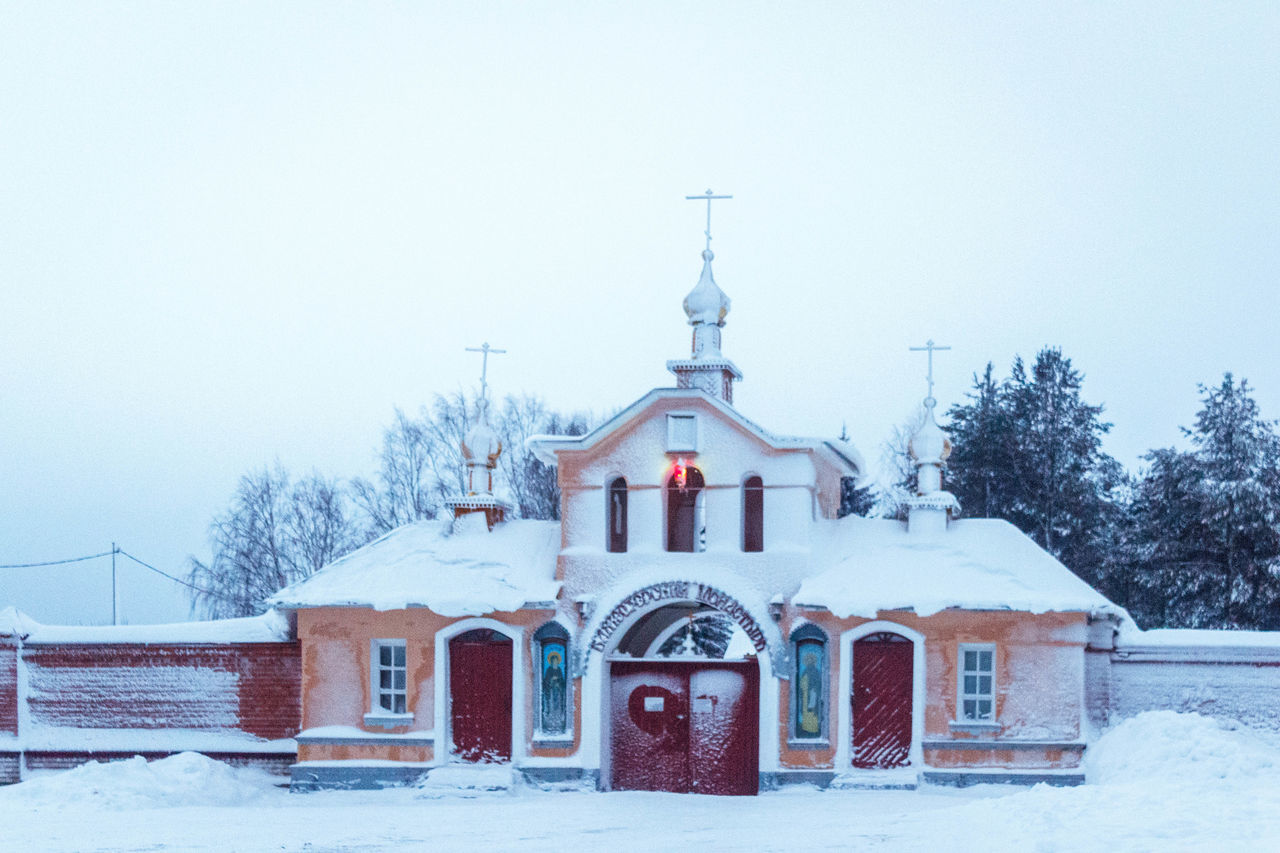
[[545, 447]]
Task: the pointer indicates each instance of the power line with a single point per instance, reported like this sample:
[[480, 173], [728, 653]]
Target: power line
[[123, 553], [56, 562]]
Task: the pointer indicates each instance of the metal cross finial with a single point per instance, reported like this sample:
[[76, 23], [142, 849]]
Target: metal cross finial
[[930, 347], [484, 366], [708, 196]]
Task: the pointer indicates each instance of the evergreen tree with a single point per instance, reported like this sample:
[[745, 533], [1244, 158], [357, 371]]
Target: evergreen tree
[[1163, 570], [1239, 452], [1029, 451], [854, 500], [980, 468], [1207, 521]]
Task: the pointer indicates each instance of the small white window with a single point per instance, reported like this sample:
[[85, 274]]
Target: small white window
[[977, 688], [682, 433], [390, 677]]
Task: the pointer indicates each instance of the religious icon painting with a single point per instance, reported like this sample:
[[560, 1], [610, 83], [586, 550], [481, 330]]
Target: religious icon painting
[[809, 703], [554, 688]]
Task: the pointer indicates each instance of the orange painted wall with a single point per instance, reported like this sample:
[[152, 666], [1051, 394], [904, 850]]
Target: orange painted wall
[[1039, 684], [336, 680]]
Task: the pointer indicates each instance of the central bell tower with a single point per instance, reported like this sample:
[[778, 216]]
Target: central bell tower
[[706, 306]]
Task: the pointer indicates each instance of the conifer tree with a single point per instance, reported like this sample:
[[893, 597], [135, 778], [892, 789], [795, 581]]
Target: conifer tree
[[980, 468], [1239, 453], [1029, 451]]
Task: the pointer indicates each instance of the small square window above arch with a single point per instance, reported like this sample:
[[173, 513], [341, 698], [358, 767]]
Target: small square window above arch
[[682, 432]]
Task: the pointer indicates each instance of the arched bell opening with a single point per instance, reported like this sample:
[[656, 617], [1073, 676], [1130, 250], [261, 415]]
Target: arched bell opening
[[686, 510]]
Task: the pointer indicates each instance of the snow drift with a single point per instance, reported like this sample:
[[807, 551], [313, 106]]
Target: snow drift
[[185, 779]]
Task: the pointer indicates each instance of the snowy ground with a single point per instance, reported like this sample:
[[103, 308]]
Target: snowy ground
[[1159, 782]]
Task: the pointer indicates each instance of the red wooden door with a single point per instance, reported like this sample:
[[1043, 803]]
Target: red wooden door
[[650, 728], [723, 724], [882, 688], [685, 727], [480, 695]]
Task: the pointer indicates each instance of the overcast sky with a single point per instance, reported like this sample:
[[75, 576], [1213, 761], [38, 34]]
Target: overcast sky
[[238, 233]]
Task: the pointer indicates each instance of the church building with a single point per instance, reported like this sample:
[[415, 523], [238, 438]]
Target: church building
[[699, 620]]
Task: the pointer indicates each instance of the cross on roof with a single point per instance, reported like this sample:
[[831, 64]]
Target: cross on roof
[[708, 196], [484, 365], [930, 347]]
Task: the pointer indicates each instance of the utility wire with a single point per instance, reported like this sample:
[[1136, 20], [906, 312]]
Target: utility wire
[[122, 553], [56, 562]]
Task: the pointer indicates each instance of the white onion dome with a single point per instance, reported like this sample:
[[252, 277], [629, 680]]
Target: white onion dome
[[930, 445], [706, 303], [481, 444]]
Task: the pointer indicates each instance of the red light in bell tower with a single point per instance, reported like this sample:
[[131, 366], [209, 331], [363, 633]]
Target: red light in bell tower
[[681, 473]]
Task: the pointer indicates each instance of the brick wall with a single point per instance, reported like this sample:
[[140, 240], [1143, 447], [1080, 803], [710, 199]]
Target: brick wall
[[8, 689], [1245, 691], [251, 687]]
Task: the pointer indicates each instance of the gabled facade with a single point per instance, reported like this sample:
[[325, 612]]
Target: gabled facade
[[699, 620]]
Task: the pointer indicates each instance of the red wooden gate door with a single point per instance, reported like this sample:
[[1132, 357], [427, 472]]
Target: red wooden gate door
[[723, 723], [685, 727], [650, 723], [480, 695], [882, 687]]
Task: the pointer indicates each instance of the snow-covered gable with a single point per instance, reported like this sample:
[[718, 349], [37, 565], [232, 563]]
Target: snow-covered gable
[[839, 455], [468, 571], [977, 564]]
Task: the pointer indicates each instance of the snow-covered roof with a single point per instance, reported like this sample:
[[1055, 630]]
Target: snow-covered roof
[[267, 628], [840, 454], [467, 572], [977, 564]]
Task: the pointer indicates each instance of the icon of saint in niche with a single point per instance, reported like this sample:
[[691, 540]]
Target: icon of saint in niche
[[553, 689], [809, 690]]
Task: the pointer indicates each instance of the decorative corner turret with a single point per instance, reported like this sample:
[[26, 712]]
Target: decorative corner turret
[[481, 448], [706, 307], [930, 507]]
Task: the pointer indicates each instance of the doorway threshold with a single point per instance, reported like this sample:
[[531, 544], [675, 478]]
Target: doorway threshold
[[892, 779]]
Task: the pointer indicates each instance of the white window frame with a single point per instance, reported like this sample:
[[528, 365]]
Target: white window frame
[[674, 443], [379, 715], [977, 695]]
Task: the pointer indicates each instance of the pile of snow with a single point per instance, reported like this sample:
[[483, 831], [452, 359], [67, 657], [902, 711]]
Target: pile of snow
[[469, 780], [185, 779], [1158, 781], [1164, 747]]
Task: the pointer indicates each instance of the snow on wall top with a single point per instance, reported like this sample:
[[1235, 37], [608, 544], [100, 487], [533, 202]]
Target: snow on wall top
[[270, 627], [1131, 637], [15, 623], [977, 564], [469, 572]]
